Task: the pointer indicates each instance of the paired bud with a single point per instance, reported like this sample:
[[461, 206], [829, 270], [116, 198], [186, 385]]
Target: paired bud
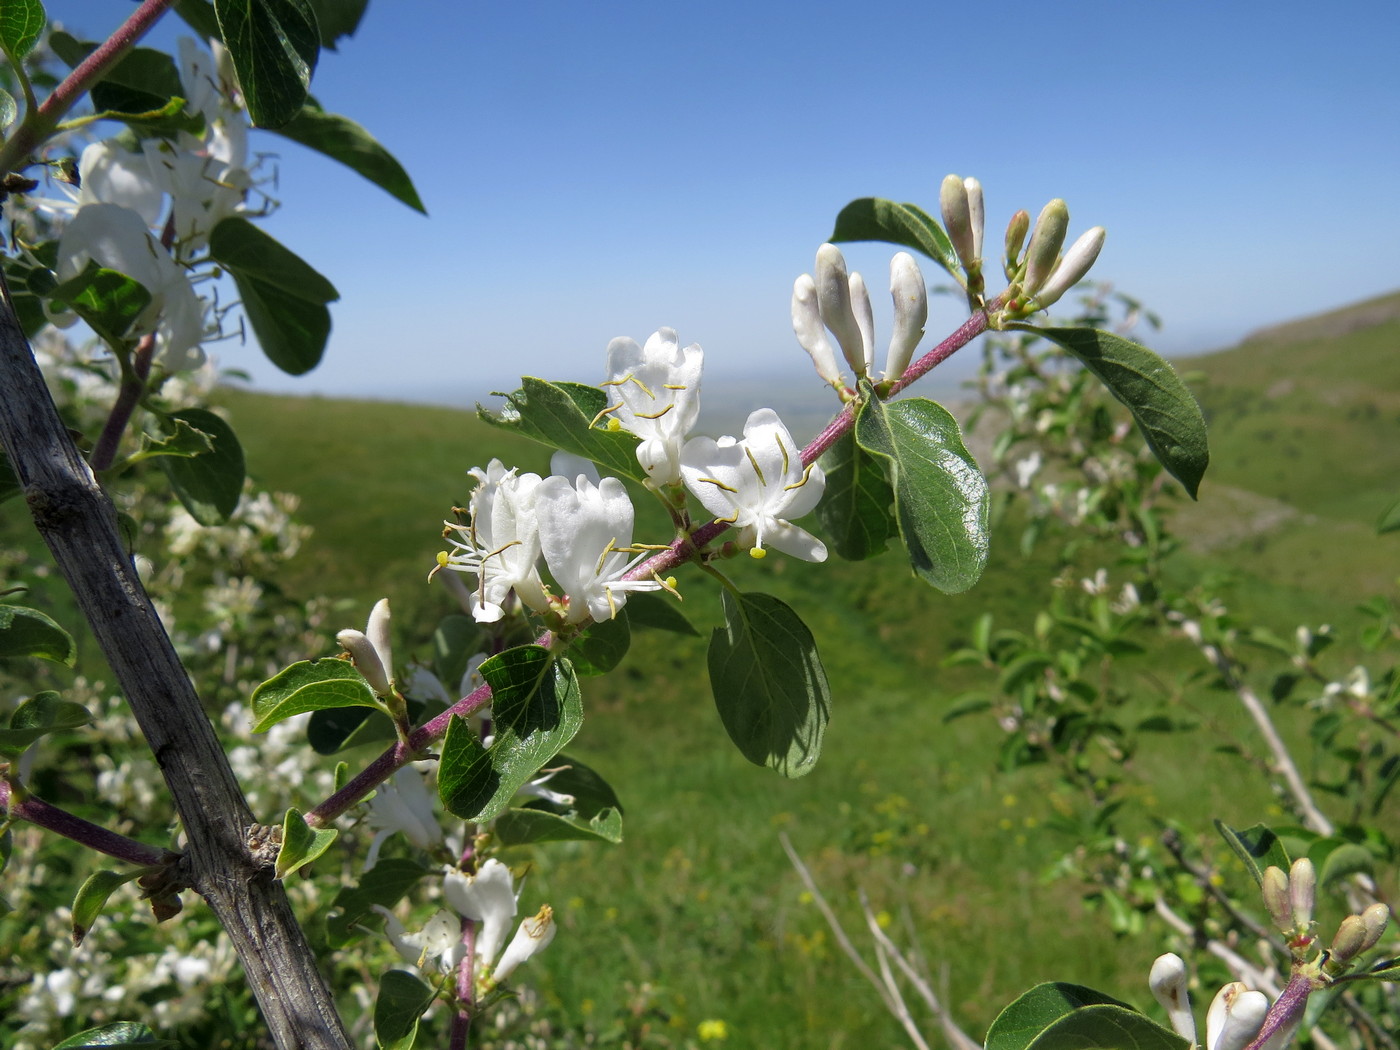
[[960, 200], [1277, 898], [910, 297], [1073, 266], [371, 650], [1302, 893], [811, 333], [1235, 1017], [1168, 983], [835, 294], [1046, 241], [1359, 933]]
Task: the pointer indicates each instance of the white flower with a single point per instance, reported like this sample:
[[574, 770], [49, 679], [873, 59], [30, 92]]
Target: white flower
[[372, 650], [654, 392], [585, 532], [116, 238], [439, 940], [531, 938], [402, 804], [501, 543], [488, 897], [757, 484]]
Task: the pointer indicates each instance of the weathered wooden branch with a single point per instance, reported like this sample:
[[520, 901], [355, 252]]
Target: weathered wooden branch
[[77, 521]]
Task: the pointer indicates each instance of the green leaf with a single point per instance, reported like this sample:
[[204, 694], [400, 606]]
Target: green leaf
[[110, 302], [301, 843], [117, 1033], [28, 632], [199, 15], [596, 812], [855, 509], [457, 639], [560, 415], [340, 138], [1348, 858], [284, 298], [1390, 519], [940, 495], [9, 111], [1070, 1017], [311, 685], [384, 884], [29, 287], [338, 18], [1168, 416], [143, 89], [21, 22], [601, 648], [1385, 970], [42, 714], [537, 709], [274, 45], [1258, 847], [182, 440], [659, 612], [209, 484], [402, 1000], [768, 683], [92, 898], [876, 219]]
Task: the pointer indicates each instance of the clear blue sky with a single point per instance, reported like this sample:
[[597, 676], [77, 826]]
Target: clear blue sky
[[603, 169]]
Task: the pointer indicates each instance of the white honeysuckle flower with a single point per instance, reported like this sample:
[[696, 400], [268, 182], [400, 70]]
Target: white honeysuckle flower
[[834, 298], [531, 938], [811, 332], [585, 532], [910, 296], [488, 897], [1235, 1017], [654, 392], [113, 175], [117, 238], [1168, 981], [757, 484], [403, 804], [204, 190], [440, 940], [1072, 268], [501, 542]]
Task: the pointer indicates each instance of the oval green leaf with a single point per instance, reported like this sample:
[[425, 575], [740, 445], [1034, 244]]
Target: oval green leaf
[[403, 998], [311, 685], [21, 22], [595, 812], [537, 709], [28, 632], [855, 508], [41, 714], [941, 502], [274, 45], [340, 138], [209, 484], [877, 219], [1022, 1022], [92, 898], [1257, 847], [561, 416], [1168, 416], [301, 843], [1107, 1027], [769, 684], [601, 648]]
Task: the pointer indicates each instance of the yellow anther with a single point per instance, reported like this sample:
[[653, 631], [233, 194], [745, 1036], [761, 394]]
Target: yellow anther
[[655, 415], [783, 449], [603, 412], [443, 558], [719, 484], [756, 468], [758, 552], [798, 484]]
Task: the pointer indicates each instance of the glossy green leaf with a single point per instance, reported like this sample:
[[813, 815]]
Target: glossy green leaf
[[9, 111], [92, 898], [1168, 416], [560, 415], [311, 685], [1258, 847], [601, 648], [855, 509], [274, 45], [110, 302], [182, 439], [769, 684], [142, 89], [42, 714], [1347, 858], [876, 219], [941, 499], [338, 18], [283, 297], [28, 632], [1385, 970], [595, 812], [341, 139], [117, 1033], [537, 709], [1390, 519], [403, 998], [1107, 1027], [209, 484], [21, 23], [199, 15], [660, 612], [30, 285], [384, 884], [1022, 1023], [301, 843]]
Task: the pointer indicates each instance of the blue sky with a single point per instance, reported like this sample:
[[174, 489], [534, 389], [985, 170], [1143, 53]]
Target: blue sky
[[603, 169]]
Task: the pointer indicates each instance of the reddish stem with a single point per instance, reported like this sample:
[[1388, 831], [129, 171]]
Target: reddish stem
[[37, 811]]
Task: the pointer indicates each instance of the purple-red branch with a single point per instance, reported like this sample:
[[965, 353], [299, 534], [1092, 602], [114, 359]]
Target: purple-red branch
[[37, 811], [681, 550]]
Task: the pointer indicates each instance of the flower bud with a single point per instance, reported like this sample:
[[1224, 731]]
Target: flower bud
[[865, 322], [1168, 983], [1016, 231], [1046, 241], [1375, 918], [1350, 939], [957, 218], [366, 660], [1236, 1015], [811, 333], [1073, 266], [377, 631], [910, 297], [1276, 898], [976, 211], [834, 300], [1302, 890]]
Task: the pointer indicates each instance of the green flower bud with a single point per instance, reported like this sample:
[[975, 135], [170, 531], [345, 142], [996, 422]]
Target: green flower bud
[[1016, 231], [1072, 267], [1375, 918], [1276, 898], [1302, 890], [957, 218], [1351, 936], [1046, 241]]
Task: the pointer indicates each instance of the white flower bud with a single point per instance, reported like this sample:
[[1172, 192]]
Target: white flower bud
[[377, 631], [1168, 983], [976, 212], [910, 297], [1302, 890], [532, 937], [1046, 240], [811, 333], [1274, 888], [957, 217], [834, 300], [865, 321], [366, 659], [1076, 263], [1235, 1017]]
